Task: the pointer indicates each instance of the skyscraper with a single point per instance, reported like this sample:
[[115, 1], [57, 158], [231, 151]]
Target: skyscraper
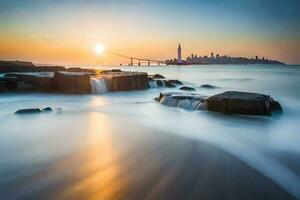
[[179, 54]]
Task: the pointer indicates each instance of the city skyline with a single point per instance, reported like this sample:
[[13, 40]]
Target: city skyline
[[66, 32]]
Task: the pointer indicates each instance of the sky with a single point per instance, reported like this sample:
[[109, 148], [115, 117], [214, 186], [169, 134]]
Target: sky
[[67, 31]]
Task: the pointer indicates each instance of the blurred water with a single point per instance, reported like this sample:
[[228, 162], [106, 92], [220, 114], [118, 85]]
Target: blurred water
[[268, 144]]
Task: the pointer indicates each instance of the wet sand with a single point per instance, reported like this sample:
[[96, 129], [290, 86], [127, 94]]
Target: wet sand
[[151, 165]]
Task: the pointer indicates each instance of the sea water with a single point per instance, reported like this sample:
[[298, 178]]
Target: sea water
[[270, 145]]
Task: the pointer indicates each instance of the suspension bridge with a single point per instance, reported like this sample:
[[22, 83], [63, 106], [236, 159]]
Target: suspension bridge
[[139, 60]]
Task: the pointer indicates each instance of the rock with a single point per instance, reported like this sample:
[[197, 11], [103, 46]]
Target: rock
[[28, 111], [159, 83], [8, 83], [47, 109], [208, 86], [227, 102], [176, 82], [169, 84], [182, 100], [72, 82], [275, 106], [30, 81], [125, 81], [78, 69], [158, 76], [21, 66], [187, 88], [243, 103]]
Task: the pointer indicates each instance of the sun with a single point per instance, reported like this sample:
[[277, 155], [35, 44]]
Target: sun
[[99, 49]]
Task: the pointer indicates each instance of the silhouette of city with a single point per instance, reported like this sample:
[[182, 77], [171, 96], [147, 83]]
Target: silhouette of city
[[194, 59]]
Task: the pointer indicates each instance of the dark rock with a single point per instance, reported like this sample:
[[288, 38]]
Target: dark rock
[[187, 88], [159, 83], [110, 71], [28, 111], [158, 76], [208, 86], [227, 102], [8, 83], [20, 66], [242, 103], [78, 69], [72, 82], [176, 82], [47, 109], [125, 81], [41, 82], [275, 106], [169, 84]]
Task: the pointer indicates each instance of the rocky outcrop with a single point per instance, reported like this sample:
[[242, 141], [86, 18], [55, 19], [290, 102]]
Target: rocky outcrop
[[228, 102], [207, 86], [125, 81], [162, 83], [8, 83], [243, 103], [176, 82], [157, 76], [78, 69], [33, 110], [72, 82], [40, 82], [28, 111], [187, 88]]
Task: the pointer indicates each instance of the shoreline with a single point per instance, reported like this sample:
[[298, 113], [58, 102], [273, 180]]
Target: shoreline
[[167, 167]]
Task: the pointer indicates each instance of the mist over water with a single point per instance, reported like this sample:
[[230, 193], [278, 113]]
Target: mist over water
[[268, 144]]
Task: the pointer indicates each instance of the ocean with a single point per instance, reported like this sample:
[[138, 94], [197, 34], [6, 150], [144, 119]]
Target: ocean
[[114, 125]]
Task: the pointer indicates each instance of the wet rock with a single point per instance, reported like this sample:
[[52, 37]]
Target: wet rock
[[232, 102], [182, 100], [159, 83], [169, 84], [125, 81], [187, 88], [158, 76], [28, 111], [243, 103], [176, 82], [47, 109], [208, 86], [72, 82], [8, 84]]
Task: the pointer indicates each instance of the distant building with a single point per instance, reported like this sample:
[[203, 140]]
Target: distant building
[[212, 55], [256, 57], [179, 60]]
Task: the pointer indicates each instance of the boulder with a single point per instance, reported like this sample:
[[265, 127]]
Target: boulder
[[243, 103], [125, 81], [72, 82], [8, 83], [47, 109], [41, 82], [158, 76], [28, 111], [232, 102], [169, 84], [187, 88], [208, 86], [176, 82]]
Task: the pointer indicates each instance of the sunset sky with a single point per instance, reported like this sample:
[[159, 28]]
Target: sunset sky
[[67, 31]]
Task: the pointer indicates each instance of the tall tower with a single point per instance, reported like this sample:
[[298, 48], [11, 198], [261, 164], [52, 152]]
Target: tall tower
[[179, 54]]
